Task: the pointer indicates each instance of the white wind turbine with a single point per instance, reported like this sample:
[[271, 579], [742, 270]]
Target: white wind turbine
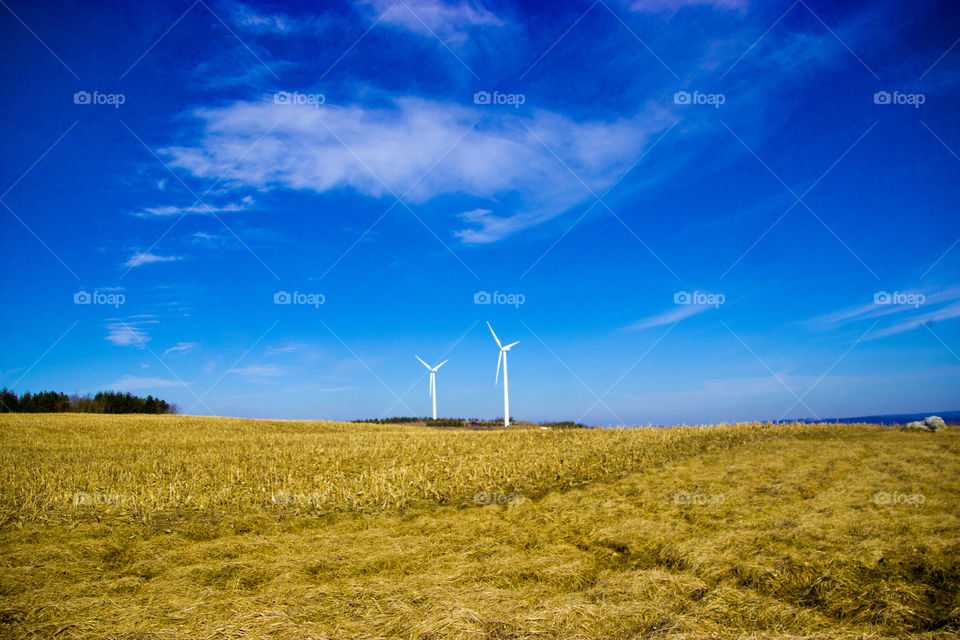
[[506, 390], [433, 382]]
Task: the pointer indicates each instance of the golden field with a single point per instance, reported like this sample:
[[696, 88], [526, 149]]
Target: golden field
[[188, 527]]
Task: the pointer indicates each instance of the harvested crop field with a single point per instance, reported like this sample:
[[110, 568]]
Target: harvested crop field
[[183, 527]]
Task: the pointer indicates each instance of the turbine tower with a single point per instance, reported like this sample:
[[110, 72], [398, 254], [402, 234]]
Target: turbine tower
[[433, 382], [506, 390]]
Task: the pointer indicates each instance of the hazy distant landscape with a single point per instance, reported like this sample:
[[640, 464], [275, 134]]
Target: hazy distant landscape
[[950, 417]]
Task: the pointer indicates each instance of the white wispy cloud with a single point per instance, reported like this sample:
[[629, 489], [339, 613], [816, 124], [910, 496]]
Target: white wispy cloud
[[129, 333], [671, 316], [203, 236], [450, 21], [831, 320], [230, 239], [437, 148], [652, 6], [284, 349], [260, 371], [945, 313], [260, 21], [250, 18], [180, 347], [142, 258], [932, 305], [132, 383], [199, 208]]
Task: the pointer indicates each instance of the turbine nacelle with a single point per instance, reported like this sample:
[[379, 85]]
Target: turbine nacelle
[[433, 369]]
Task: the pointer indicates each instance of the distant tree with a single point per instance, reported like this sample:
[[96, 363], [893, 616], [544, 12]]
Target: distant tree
[[445, 422], [82, 404], [8, 401], [25, 404], [51, 402]]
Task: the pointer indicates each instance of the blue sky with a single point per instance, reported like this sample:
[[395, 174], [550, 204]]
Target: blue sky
[[684, 211]]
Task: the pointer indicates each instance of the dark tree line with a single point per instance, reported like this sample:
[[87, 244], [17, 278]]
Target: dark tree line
[[394, 420], [103, 402], [472, 423], [442, 422]]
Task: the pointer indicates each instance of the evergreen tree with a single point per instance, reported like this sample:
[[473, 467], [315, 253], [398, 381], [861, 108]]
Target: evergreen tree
[[8, 401]]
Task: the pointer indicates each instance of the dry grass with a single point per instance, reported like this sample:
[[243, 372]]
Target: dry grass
[[747, 531], [145, 466]]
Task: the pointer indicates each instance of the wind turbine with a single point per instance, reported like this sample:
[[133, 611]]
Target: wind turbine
[[433, 382], [506, 390]]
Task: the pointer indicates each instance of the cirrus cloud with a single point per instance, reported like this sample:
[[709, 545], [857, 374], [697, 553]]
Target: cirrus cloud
[[541, 163], [446, 20], [141, 258]]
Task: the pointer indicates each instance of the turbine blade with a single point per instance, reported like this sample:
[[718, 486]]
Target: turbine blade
[[512, 344], [497, 379], [433, 384], [495, 336], [422, 362], [441, 364]]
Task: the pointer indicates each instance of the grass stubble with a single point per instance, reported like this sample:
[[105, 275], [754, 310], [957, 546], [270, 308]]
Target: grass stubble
[[183, 527]]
